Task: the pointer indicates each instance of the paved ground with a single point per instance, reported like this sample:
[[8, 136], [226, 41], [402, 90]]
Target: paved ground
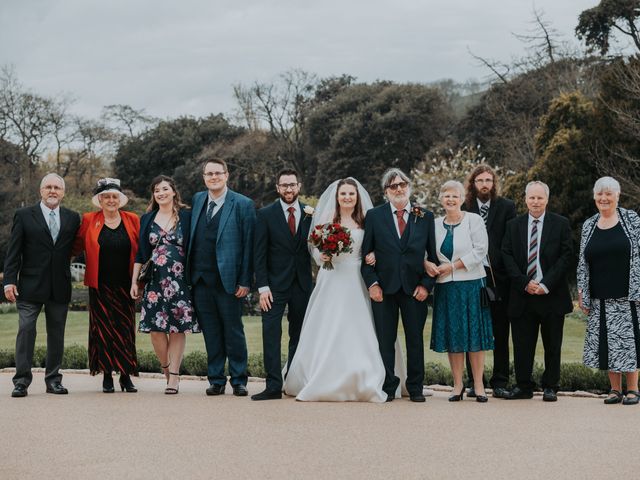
[[88, 434]]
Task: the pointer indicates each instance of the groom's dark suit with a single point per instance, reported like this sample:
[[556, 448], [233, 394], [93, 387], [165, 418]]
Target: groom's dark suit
[[283, 265], [399, 269]]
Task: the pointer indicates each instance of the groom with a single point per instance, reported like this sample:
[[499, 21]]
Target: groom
[[399, 235], [283, 274]]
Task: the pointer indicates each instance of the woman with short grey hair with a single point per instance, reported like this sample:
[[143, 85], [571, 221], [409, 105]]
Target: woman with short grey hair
[[609, 290]]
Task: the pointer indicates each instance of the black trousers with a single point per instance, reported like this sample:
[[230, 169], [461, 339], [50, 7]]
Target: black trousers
[[500, 322], [296, 299], [525, 337], [414, 315]]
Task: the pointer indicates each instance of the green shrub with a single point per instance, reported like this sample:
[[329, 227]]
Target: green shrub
[[148, 362], [195, 363], [75, 357], [7, 359], [40, 356], [437, 374]]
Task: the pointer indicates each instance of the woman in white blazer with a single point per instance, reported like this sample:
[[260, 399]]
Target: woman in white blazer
[[461, 321]]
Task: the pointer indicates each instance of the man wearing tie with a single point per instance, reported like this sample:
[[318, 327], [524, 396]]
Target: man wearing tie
[[536, 252], [482, 198], [37, 274], [283, 275], [219, 267]]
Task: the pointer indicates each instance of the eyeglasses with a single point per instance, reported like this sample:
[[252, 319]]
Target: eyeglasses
[[213, 174], [287, 186], [398, 186], [55, 188], [483, 180]]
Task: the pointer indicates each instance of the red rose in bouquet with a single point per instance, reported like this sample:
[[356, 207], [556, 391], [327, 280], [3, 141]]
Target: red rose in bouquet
[[331, 239]]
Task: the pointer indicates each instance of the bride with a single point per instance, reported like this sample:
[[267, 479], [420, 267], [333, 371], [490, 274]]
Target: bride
[[338, 357]]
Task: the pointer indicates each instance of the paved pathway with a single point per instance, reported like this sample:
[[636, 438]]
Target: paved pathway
[[148, 435]]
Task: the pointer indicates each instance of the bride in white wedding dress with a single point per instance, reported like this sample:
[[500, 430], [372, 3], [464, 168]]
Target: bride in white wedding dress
[[337, 358]]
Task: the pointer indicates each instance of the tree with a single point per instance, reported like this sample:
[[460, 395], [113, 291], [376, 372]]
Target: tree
[[126, 121], [365, 129], [597, 25], [10, 193]]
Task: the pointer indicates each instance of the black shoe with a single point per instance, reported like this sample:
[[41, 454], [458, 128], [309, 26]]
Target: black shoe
[[614, 397], [216, 389], [417, 397], [631, 400], [549, 395], [267, 395], [127, 384], [456, 397], [57, 389], [471, 393], [390, 397], [482, 399], [107, 383], [500, 392], [240, 390], [19, 391], [174, 390], [519, 394]]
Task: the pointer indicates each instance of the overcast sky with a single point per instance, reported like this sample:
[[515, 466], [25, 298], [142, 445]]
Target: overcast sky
[[182, 57]]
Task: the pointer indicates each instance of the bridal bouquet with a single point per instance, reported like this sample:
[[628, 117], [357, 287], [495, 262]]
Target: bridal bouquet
[[331, 239]]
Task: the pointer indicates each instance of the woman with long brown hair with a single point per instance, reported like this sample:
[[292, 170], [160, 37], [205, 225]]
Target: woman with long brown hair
[[167, 312]]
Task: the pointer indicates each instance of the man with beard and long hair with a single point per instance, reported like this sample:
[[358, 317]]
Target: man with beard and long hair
[[482, 198], [283, 274]]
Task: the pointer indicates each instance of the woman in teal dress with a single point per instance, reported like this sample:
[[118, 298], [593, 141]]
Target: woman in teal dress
[[460, 322], [167, 312]]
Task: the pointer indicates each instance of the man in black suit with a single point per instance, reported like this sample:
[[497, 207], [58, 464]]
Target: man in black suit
[[536, 252], [482, 198], [283, 274], [37, 274], [399, 235]]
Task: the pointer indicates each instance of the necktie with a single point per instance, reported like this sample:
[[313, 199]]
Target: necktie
[[291, 220], [533, 252], [53, 226], [401, 222], [210, 208], [484, 212]]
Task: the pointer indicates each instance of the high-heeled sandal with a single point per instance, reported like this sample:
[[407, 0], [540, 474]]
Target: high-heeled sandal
[[165, 370], [457, 397], [126, 384], [171, 390]]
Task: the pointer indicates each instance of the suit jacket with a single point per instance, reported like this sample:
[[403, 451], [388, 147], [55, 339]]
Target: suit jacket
[[87, 241], [235, 238], [399, 262], [555, 256], [146, 221], [500, 212], [279, 257], [40, 268]]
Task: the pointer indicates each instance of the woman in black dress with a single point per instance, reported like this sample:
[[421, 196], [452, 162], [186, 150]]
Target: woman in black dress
[[109, 238], [609, 290], [167, 312]]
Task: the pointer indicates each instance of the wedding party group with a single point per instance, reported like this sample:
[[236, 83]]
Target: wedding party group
[[488, 272]]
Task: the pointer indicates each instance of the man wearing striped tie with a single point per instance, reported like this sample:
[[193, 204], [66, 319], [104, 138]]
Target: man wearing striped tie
[[537, 251]]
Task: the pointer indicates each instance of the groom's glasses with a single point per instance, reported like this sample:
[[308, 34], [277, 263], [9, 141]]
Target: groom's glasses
[[287, 186], [397, 186]]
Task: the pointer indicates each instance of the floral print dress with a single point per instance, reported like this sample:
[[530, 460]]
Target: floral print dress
[[166, 305]]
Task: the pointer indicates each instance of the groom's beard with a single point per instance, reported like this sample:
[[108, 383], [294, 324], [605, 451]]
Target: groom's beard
[[289, 198]]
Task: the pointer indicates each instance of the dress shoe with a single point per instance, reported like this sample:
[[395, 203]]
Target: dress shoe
[[390, 398], [267, 395], [417, 397], [456, 397], [216, 389], [471, 392], [500, 392], [126, 384], [519, 394], [549, 395], [631, 400], [107, 383], [240, 391], [57, 389], [20, 390], [482, 398], [615, 396]]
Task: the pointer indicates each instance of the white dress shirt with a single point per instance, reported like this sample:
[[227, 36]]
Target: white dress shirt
[[296, 213], [46, 211]]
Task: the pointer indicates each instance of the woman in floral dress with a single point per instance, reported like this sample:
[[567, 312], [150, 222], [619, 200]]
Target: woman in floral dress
[[167, 312]]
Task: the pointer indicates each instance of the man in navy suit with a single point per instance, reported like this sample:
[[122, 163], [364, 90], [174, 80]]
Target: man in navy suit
[[400, 235], [283, 274], [219, 267]]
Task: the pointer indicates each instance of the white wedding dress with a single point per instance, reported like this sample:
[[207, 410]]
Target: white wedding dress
[[337, 358]]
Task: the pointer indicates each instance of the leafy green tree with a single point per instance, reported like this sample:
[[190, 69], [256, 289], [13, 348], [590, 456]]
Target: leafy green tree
[[597, 25], [10, 192]]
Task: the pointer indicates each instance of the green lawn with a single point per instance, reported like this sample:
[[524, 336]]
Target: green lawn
[[77, 326]]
